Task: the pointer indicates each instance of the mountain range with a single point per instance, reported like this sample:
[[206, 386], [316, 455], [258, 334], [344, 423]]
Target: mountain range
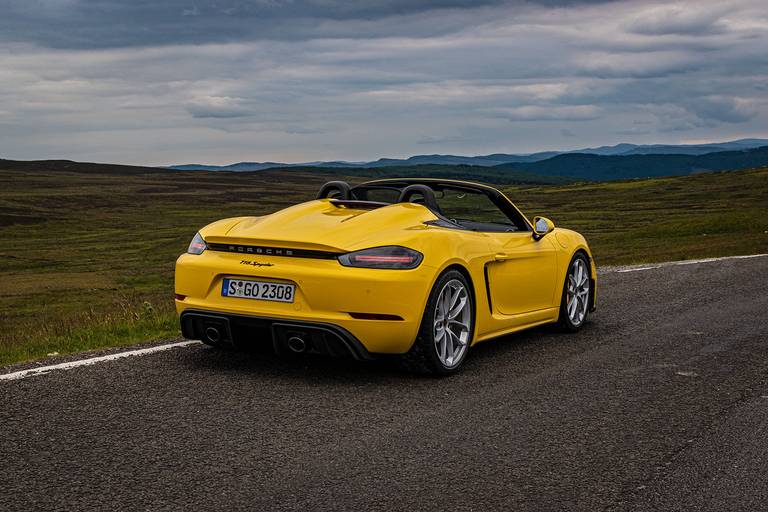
[[501, 159], [582, 166]]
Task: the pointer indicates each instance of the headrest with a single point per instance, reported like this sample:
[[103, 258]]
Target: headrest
[[341, 188], [419, 190]]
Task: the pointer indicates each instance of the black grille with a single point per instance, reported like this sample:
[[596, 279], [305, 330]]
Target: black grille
[[272, 251]]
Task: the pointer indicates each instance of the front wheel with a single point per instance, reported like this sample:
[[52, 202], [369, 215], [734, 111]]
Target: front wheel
[[574, 305], [446, 329]]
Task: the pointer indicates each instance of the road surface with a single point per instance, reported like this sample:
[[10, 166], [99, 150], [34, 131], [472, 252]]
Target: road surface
[[659, 403]]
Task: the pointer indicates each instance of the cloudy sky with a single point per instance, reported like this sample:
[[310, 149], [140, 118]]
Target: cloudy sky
[[220, 81]]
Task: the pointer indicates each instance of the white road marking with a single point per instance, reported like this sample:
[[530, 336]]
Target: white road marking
[[41, 370], [639, 268], [707, 260]]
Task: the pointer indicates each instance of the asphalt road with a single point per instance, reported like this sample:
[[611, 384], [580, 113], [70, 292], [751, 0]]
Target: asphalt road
[[659, 403]]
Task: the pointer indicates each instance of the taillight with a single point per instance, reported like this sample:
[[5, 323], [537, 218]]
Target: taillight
[[197, 245], [389, 257]]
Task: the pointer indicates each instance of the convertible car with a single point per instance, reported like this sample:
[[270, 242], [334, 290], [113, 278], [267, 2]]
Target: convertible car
[[423, 268]]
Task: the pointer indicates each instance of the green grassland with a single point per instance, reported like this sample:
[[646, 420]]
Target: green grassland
[[661, 219], [87, 252]]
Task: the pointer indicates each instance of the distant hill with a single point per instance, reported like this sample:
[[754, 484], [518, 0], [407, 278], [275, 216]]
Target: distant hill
[[477, 173], [64, 166], [494, 159], [556, 170], [619, 167], [565, 168]]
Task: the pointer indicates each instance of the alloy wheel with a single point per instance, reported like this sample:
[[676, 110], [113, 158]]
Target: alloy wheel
[[577, 298], [453, 323]]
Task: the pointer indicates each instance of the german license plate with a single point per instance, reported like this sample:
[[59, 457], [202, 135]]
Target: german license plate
[[247, 289]]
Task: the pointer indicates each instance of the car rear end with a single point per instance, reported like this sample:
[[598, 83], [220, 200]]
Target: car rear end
[[299, 295]]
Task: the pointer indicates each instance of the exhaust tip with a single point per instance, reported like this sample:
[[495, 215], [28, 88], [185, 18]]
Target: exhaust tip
[[297, 344], [212, 334]]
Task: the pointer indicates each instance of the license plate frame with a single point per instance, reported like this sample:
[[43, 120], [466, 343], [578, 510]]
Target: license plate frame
[[258, 290]]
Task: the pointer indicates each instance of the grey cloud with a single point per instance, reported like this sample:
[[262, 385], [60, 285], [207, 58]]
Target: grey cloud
[[685, 19], [491, 77], [211, 112], [632, 132], [119, 23], [301, 130], [430, 140], [650, 64], [723, 109], [703, 113], [549, 113]]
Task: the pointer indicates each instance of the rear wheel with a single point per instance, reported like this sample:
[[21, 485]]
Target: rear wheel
[[446, 329], [574, 305]]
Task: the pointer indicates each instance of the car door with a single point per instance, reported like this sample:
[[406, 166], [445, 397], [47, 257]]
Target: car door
[[521, 270], [522, 276]]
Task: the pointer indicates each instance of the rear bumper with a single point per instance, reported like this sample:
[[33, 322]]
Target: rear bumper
[[381, 309], [244, 331]]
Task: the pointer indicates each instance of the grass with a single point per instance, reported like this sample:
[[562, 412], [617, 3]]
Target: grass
[[86, 259], [661, 219], [87, 254]]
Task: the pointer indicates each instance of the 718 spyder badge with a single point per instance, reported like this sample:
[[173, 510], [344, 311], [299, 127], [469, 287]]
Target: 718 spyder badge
[[255, 263]]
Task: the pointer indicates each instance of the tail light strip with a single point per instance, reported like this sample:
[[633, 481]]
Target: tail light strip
[[272, 251]]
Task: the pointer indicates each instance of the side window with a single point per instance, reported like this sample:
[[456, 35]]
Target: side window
[[476, 211]]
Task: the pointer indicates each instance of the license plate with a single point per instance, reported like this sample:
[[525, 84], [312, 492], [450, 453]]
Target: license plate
[[260, 290]]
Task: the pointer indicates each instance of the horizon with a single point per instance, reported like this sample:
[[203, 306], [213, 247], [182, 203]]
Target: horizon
[[375, 159], [378, 158], [566, 150], [293, 82]]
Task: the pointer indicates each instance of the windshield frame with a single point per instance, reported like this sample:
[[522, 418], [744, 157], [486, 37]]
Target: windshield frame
[[500, 200]]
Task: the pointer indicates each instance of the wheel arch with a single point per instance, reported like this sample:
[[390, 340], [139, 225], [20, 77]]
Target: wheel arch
[[422, 357], [468, 276], [464, 271]]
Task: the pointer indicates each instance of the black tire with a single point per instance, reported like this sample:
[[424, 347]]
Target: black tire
[[564, 320], [423, 357]]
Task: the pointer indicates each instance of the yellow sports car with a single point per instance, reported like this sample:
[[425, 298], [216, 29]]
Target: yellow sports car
[[424, 268]]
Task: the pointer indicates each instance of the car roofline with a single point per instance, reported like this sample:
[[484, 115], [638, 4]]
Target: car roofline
[[415, 181]]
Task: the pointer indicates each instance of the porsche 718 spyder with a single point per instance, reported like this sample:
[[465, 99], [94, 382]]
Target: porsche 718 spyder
[[423, 268]]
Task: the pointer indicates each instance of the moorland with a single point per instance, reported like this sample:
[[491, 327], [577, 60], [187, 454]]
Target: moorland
[[87, 251]]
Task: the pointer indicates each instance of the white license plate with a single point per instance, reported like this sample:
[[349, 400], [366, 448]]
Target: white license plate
[[248, 289]]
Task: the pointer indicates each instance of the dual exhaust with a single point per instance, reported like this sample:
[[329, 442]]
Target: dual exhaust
[[241, 331], [295, 343], [216, 332]]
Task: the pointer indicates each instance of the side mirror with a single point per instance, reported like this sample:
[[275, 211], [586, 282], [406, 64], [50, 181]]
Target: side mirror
[[542, 226]]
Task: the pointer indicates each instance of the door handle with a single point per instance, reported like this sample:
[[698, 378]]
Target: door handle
[[501, 256]]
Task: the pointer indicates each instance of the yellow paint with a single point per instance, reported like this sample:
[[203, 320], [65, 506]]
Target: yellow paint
[[526, 275]]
